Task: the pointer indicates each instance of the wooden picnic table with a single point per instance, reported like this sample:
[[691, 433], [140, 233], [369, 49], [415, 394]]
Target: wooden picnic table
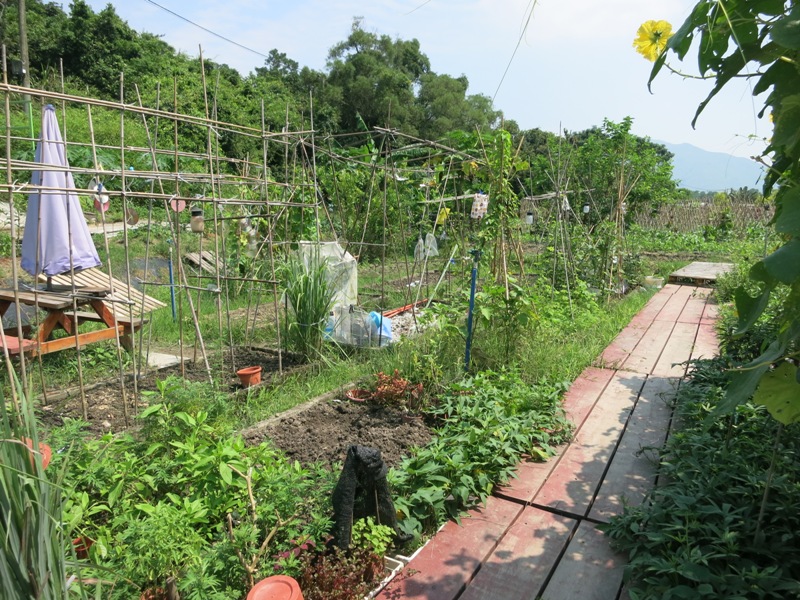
[[59, 307]]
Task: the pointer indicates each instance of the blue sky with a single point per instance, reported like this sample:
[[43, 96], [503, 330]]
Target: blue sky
[[575, 65]]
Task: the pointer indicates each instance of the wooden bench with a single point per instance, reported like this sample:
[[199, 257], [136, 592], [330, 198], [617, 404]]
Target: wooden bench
[[13, 344], [84, 316]]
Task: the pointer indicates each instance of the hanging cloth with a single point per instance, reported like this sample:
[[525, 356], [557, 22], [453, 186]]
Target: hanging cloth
[[480, 204]]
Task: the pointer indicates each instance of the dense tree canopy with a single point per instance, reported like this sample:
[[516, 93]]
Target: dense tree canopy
[[370, 80]]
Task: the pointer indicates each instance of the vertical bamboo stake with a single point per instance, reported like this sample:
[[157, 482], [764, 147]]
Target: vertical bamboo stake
[[209, 130], [124, 191], [152, 142], [110, 275], [14, 273], [177, 220], [222, 250], [265, 185]]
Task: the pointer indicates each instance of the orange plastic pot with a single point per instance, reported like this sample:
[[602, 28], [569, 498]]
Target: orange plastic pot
[[277, 587], [249, 376]]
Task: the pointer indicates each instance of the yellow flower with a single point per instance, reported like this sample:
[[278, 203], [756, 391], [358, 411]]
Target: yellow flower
[[651, 39]]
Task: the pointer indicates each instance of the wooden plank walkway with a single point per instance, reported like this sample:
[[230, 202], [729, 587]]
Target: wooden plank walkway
[[700, 273], [206, 261], [537, 537]]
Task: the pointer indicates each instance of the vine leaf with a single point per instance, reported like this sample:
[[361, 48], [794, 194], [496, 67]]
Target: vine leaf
[[779, 391], [788, 220], [786, 30], [749, 308], [744, 381], [740, 389], [784, 263]]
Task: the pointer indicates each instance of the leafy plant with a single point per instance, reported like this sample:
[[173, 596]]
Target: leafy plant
[[339, 574], [366, 533], [33, 542], [488, 423], [157, 548], [188, 479], [309, 297], [398, 391]]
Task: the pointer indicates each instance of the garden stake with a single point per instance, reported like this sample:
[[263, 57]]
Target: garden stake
[[476, 256], [172, 285]]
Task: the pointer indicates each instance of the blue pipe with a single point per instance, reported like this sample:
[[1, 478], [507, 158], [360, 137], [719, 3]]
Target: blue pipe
[[476, 256]]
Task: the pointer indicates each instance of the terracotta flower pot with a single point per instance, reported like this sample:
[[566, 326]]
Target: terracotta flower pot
[[249, 376], [277, 587], [413, 419], [82, 545], [358, 395], [44, 450]]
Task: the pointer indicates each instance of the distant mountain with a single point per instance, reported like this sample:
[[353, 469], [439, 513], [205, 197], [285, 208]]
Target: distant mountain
[[700, 170]]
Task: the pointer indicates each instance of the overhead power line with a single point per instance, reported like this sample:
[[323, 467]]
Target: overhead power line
[[530, 8], [222, 37]]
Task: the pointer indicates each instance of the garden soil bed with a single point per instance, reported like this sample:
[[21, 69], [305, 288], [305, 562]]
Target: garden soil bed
[[323, 431], [105, 399]]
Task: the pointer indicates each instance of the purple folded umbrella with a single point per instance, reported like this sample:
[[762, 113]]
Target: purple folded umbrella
[[54, 217]]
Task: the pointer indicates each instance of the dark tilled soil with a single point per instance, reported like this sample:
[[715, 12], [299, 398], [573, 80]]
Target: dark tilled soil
[[106, 409], [318, 433], [324, 431]]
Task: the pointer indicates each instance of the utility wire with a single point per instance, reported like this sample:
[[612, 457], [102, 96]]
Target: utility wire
[[416, 9], [222, 37], [531, 6]]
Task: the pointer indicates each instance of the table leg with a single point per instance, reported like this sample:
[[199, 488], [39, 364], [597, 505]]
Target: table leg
[[126, 335], [54, 317], [102, 310]]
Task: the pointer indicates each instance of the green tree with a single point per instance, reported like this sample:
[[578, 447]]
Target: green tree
[[445, 106], [613, 165], [377, 76]]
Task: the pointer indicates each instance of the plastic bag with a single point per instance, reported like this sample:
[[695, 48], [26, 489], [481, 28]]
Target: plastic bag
[[431, 247], [419, 250], [383, 329]]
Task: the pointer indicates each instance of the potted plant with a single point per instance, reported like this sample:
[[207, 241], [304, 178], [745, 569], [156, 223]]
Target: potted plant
[[395, 390]]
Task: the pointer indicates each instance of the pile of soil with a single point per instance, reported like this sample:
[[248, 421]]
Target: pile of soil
[[323, 431]]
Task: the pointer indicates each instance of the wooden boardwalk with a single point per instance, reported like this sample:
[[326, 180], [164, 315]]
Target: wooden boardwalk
[[536, 536], [700, 273]]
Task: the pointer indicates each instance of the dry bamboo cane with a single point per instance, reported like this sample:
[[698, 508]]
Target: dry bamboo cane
[[110, 275], [14, 273], [276, 309]]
